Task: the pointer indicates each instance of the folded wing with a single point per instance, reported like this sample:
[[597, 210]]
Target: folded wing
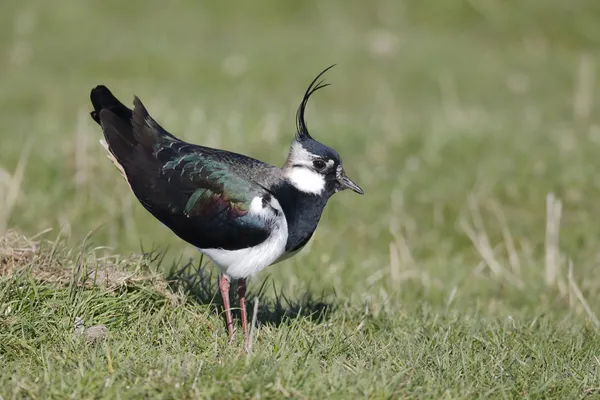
[[195, 191]]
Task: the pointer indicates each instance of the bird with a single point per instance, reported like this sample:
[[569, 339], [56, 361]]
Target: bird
[[241, 213]]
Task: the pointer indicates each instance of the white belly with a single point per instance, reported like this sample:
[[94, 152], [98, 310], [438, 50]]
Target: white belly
[[246, 262]]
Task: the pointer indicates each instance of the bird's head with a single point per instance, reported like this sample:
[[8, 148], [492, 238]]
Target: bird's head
[[311, 166]]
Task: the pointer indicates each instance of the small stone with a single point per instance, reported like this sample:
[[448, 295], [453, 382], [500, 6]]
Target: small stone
[[96, 333]]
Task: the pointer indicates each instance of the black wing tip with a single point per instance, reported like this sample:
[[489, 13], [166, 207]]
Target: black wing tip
[[316, 84], [100, 88], [97, 97], [137, 103], [99, 94], [140, 113], [103, 99]]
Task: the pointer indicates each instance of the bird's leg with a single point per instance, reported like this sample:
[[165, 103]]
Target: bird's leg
[[242, 296], [224, 287]]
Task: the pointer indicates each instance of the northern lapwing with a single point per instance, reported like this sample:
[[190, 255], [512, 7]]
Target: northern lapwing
[[241, 213]]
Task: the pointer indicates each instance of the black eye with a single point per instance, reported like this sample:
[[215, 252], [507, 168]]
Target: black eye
[[319, 164]]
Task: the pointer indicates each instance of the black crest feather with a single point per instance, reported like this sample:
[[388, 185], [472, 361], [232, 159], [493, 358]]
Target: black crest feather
[[316, 84]]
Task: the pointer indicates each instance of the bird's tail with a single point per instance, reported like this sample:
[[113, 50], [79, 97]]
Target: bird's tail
[[131, 136], [103, 99], [116, 121]]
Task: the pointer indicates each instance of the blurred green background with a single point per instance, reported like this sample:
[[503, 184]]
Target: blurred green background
[[454, 116]]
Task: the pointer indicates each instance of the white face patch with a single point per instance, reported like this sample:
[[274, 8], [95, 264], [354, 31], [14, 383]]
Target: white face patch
[[301, 172], [306, 180]]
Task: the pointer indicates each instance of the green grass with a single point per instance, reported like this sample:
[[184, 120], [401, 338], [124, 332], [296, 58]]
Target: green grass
[[458, 119]]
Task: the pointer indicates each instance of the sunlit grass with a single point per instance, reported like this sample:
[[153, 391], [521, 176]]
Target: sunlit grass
[[469, 268]]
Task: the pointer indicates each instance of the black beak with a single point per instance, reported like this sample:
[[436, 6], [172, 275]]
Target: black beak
[[348, 184]]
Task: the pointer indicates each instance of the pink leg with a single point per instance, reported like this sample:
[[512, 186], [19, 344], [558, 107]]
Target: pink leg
[[242, 296], [224, 287]]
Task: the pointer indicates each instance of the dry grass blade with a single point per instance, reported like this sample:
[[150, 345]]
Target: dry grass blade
[[250, 343], [18, 254], [400, 254], [478, 236], [16, 250], [552, 255], [511, 250], [575, 288], [583, 95], [10, 187], [394, 263]]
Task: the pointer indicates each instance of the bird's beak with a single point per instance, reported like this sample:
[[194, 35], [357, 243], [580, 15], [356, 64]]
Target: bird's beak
[[348, 184]]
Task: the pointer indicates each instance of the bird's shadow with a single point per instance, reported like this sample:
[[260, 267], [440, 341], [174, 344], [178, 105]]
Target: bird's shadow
[[200, 282]]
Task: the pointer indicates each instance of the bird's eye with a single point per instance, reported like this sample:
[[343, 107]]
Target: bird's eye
[[319, 164]]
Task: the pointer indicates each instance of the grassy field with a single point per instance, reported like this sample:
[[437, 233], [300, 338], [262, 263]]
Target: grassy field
[[469, 269]]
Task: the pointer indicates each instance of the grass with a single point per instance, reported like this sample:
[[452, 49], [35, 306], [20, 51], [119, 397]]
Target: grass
[[468, 269]]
